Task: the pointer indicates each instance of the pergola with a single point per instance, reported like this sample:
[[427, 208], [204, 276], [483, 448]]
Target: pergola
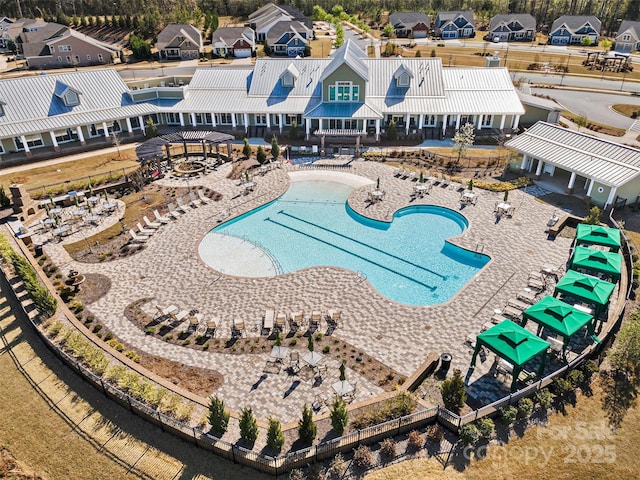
[[599, 261], [559, 317], [515, 344], [598, 235], [583, 287], [155, 147]]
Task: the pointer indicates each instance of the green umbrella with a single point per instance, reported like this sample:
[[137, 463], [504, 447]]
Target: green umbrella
[[278, 341], [598, 261], [106, 197], [586, 288], [598, 235], [343, 377], [310, 344], [90, 189]]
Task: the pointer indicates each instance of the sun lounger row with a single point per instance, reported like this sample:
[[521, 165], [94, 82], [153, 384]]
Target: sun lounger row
[[175, 316], [272, 321], [187, 203]]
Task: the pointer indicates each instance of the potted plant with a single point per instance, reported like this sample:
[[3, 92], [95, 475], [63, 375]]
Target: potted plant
[[506, 196], [421, 180]]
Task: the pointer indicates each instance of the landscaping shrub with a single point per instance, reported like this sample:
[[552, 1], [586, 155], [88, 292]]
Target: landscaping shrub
[[453, 392], [337, 468], [486, 428], [296, 474], [362, 457], [575, 378], [415, 440], [388, 448], [508, 415], [248, 426], [525, 408], [435, 433], [275, 437], [307, 429], [468, 434], [402, 404], [339, 415], [544, 398]]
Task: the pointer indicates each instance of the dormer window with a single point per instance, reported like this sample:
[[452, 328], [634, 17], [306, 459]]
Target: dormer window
[[289, 76], [287, 80], [71, 99], [403, 76], [69, 95], [403, 80]]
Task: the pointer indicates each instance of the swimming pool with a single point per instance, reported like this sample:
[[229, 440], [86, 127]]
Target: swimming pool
[[407, 260]]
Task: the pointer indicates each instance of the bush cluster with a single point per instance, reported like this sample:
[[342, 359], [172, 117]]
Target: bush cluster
[[398, 406]]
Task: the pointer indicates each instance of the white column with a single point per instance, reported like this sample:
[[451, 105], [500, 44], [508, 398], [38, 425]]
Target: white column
[[80, 135], [516, 121], [612, 196], [54, 140], [444, 123], [213, 120], [377, 129], [523, 165], [129, 128], [572, 180], [23, 139], [268, 120], [233, 120], [105, 129], [421, 121], [502, 120], [193, 119], [458, 118], [245, 119], [181, 115], [307, 127], [407, 119], [591, 182], [539, 169], [480, 120], [142, 125]]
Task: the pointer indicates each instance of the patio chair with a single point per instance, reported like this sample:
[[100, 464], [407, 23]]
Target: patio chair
[[272, 366], [203, 198], [195, 201], [314, 321], [138, 238], [333, 317], [211, 327], [237, 328], [320, 371], [181, 205], [144, 231], [160, 218], [173, 211], [294, 363], [280, 321], [150, 224]]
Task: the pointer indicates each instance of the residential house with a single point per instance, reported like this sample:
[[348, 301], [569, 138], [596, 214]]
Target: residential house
[[288, 37], [270, 15], [628, 38], [57, 46], [410, 24], [4, 32], [347, 95], [457, 24], [572, 29], [236, 42], [179, 41], [520, 27], [11, 29]]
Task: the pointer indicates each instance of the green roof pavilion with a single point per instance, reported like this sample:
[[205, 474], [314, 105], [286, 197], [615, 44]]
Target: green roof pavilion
[[599, 261], [583, 287], [598, 235]]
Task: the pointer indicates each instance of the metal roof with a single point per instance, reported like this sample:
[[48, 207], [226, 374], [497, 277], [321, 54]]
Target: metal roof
[[605, 162], [343, 110], [153, 147], [351, 55]]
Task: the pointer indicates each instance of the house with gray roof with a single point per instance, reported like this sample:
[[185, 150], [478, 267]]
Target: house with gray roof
[[179, 41], [603, 172], [455, 24], [236, 42], [288, 38], [572, 29], [410, 24], [519, 27], [628, 38], [5, 22], [272, 15], [347, 95]]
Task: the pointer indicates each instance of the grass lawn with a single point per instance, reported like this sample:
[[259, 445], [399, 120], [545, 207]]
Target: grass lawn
[[577, 445], [625, 109], [595, 126], [321, 47]]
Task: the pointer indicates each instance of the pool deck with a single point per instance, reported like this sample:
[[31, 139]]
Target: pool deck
[[170, 271]]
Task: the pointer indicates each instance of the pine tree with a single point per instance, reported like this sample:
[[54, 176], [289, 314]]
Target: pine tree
[[248, 426], [275, 148], [261, 155], [307, 429], [266, 49], [392, 134], [339, 415], [275, 437], [454, 395], [218, 416], [246, 149]]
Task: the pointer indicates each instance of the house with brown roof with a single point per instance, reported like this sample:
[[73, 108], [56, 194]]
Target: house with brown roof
[[410, 24], [179, 41], [236, 42]]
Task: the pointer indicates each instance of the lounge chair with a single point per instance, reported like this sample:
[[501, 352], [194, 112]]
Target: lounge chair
[[527, 296], [163, 312], [314, 321], [212, 325], [138, 238], [194, 321], [181, 205], [150, 224], [173, 211], [512, 313], [144, 231], [268, 321], [195, 201], [294, 362], [536, 284], [178, 317], [333, 317], [237, 328], [296, 320], [519, 304], [203, 198], [160, 218], [280, 321]]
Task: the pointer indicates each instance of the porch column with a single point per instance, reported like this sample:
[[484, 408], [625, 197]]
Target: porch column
[[213, 120], [268, 120], [129, 128], [142, 126], [572, 182], [280, 121], [23, 139], [54, 140], [407, 119], [193, 119], [105, 129], [377, 129], [421, 121], [307, 128], [245, 119], [233, 121], [181, 115], [80, 135], [539, 169], [502, 120], [612, 197], [523, 165], [444, 124], [516, 121], [480, 120], [591, 182], [458, 118]]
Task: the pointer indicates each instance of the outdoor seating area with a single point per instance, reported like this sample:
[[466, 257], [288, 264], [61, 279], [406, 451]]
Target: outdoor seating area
[[276, 322], [504, 209]]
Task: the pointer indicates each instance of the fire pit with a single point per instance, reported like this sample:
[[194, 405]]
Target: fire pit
[[189, 167]]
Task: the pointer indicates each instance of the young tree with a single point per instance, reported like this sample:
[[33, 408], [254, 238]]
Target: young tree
[[468, 434], [275, 148], [246, 149], [463, 139], [248, 426], [388, 30], [261, 155], [453, 392], [275, 437], [141, 49], [293, 130], [418, 54], [266, 48], [307, 429], [151, 130], [339, 415], [594, 216], [392, 134], [586, 41], [218, 416], [339, 35]]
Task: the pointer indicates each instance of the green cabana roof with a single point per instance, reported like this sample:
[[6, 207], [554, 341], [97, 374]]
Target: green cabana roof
[[586, 288], [510, 341], [609, 263], [598, 235], [557, 316]]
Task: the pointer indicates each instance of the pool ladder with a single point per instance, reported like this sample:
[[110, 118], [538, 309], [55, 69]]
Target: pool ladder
[[479, 247]]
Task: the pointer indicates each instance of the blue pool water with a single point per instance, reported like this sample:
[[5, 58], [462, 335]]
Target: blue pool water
[[406, 260]]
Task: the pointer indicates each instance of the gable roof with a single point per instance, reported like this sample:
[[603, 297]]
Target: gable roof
[[229, 35], [606, 162], [527, 21], [574, 22], [170, 36], [280, 28], [631, 27], [408, 19], [351, 55], [42, 48], [444, 17]]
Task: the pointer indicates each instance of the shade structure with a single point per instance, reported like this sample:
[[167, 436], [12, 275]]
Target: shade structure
[[598, 261], [514, 343], [559, 317], [586, 288], [598, 235]]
